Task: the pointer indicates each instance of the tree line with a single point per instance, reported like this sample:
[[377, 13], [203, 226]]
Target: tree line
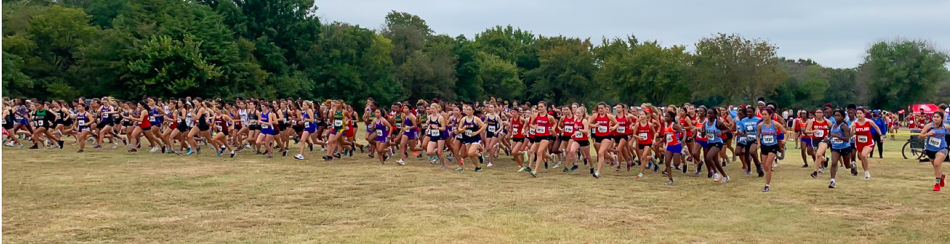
[[280, 49]]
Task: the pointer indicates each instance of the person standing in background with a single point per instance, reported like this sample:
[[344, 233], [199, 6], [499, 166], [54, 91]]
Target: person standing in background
[[878, 137]]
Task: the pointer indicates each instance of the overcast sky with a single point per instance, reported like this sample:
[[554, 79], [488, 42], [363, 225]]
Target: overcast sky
[[834, 33]]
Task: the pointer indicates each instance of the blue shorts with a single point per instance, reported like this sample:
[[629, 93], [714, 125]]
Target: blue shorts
[[678, 148], [806, 141], [269, 130], [704, 144], [310, 129], [781, 136]]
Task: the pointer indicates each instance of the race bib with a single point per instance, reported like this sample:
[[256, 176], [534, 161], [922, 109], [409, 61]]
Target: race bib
[[397, 124], [154, 119], [569, 129], [769, 139], [643, 136], [491, 128], [218, 128], [338, 122], [621, 129], [265, 127], [710, 135], [934, 141], [820, 133], [541, 130], [578, 134], [531, 131], [515, 130], [669, 137], [749, 128], [306, 124], [434, 132], [863, 139], [836, 141], [39, 123], [750, 137], [602, 129], [743, 139], [379, 133], [468, 132], [294, 122]]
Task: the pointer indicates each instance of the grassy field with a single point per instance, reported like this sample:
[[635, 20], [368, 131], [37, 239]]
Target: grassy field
[[58, 196]]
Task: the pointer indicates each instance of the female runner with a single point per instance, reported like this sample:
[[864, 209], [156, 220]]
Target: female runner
[[713, 129], [864, 143], [674, 149], [935, 136], [436, 126], [839, 136], [471, 128], [603, 123], [769, 130], [542, 124]]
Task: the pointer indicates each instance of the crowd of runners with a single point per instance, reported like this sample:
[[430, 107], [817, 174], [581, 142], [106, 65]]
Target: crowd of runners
[[621, 137]]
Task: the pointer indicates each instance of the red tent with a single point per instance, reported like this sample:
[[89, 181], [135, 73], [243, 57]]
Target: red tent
[[925, 108]]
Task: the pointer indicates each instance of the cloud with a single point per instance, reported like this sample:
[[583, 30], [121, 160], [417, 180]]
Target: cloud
[[834, 33]]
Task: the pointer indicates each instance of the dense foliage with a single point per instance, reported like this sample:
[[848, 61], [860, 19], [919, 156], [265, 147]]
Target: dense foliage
[[279, 48]]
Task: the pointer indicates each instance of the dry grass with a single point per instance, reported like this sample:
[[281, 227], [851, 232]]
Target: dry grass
[[57, 196]]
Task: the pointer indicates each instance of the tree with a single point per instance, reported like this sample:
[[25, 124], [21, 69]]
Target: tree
[[903, 72], [468, 86], [565, 73], [499, 77], [167, 67], [737, 68], [647, 72]]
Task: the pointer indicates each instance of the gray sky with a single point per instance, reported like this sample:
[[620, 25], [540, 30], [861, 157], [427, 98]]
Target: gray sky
[[834, 33]]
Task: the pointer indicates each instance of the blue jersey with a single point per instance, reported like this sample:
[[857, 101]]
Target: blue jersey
[[712, 132], [749, 126], [837, 143], [769, 135], [939, 139]]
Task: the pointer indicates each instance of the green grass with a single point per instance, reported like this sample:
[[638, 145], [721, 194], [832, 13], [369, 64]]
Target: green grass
[[57, 196]]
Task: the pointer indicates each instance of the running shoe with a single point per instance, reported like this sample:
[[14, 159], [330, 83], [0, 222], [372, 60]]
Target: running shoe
[[80, 151], [299, 157], [716, 177], [832, 185], [669, 182], [35, 147], [766, 189], [401, 162], [489, 164], [478, 169], [521, 169], [725, 179], [597, 175], [565, 170], [573, 168], [814, 174], [639, 175], [534, 173], [943, 180], [937, 187], [805, 166]]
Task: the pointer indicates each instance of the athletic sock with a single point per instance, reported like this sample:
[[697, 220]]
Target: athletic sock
[[938, 180]]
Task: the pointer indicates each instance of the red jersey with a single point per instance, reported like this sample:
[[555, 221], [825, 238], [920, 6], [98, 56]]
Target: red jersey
[[800, 127], [645, 133], [622, 126], [579, 134], [543, 125], [862, 134], [700, 136], [821, 129], [568, 127], [517, 128], [602, 124]]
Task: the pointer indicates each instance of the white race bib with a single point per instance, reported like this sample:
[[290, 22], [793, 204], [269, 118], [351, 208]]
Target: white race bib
[[541, 130], [643, 136], [531, 131], [491, 128], [379, 133], [434, 132], [836, 141], [515, 130], [468, 132], [621, 129], [863, 139], [768, 139], [569, 129], [578, 134], [39, 123], [338, 122], [820, 133], [669, 137], [749, 128], [742, 139], [306, 124], [601, 129], [750, 137], [265, 127], [934, 141], [218, 128], [710, 135]]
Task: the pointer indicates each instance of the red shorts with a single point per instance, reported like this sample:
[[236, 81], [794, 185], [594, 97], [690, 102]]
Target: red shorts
[[349, 132]]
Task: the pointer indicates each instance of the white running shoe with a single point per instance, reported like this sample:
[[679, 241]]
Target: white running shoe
[[154, 149], [716, 177], [489, 164], [299, 156], [821, 170], [10, 144], [725, 179], [867, 175], [401, 162]]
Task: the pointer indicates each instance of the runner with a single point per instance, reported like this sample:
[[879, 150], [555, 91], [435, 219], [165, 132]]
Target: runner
[[471, 128], [862, 131], [674, 149], [603, 122], [714, 130], [769, 130], [935, 135], [580, 139]]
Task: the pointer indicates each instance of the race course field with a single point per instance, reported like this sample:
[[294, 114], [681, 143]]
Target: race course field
[[107, 195]]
